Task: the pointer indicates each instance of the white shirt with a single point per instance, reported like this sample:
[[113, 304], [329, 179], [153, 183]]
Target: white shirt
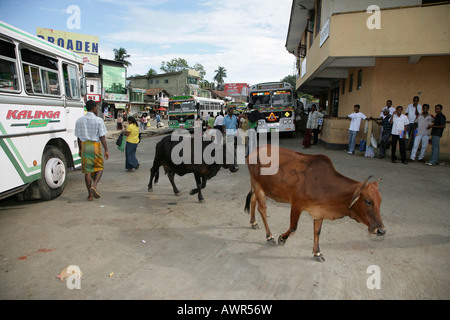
[[219, 121], [391, 112], [356, 120], [313, 119], [411, 112], [423, 123], [90, 128], [399, 123]]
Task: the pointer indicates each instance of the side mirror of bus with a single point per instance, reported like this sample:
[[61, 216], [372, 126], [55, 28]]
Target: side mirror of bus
[[83, 86]]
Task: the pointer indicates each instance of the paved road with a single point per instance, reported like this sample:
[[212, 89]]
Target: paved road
[[131, 244]]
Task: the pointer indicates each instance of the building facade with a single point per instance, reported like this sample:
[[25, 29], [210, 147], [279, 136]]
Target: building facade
[[352, 52], [185, 82]]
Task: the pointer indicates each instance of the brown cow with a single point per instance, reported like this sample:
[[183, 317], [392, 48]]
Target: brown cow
[[311, 183]]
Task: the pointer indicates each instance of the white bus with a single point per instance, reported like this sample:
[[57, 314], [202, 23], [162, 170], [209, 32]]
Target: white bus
[[276, 102], [183, 110], [208, 105], [41, 97]]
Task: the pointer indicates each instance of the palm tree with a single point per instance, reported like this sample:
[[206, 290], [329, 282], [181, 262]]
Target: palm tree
[[221, 73], [121, 55]]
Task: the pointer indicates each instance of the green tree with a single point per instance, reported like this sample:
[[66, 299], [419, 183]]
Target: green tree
[[121, 55], [151, 72], [198, 67], [221, 74], [292, 80], [174, 65], [308, 97]]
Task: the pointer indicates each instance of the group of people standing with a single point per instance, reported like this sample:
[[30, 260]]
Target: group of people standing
[[313, 126], [411, 129]]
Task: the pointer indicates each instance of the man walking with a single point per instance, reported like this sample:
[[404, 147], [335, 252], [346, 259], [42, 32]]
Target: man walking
[[91, 131], [230, 124], [355, 124], [436, 133]]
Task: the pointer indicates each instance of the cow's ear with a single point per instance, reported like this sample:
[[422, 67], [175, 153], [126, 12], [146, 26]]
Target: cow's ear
[[377, 182], [355, 197]]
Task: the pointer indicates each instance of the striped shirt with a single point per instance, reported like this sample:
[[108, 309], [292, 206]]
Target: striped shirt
[[90, 128]]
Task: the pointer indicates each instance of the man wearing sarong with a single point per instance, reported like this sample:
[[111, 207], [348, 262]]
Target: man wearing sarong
[[91, 131]]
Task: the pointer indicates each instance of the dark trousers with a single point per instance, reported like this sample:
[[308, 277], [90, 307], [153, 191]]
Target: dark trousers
[[402, 145], [131, 161], [410, 129], [316, 136]]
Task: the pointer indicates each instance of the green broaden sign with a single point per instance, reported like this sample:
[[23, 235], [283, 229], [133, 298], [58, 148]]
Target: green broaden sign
[[182, 98], [38, 123]]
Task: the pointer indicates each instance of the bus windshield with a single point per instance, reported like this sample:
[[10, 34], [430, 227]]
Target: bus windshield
[[182, 105], [282, 98], [260, 98]]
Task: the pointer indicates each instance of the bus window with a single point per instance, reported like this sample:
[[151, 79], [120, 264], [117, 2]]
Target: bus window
[[260, 98], [27, 77], [71, 83], [36, 80], [8, 71], [40, 73], [50, 82]]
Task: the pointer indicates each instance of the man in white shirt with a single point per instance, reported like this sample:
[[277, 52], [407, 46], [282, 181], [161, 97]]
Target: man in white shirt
[[424, 122], [218, 124], [399, 125], [412, 112], [390, 107], [355, 124], [91, 131]]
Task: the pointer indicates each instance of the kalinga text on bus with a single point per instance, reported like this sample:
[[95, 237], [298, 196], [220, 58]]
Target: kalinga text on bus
[[32, 114], [73, 45]]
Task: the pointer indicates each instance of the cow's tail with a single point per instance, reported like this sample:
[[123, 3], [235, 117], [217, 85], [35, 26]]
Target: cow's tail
[[247, 202]]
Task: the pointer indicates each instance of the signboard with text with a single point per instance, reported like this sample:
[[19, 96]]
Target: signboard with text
[[236, 89], [84, 45]]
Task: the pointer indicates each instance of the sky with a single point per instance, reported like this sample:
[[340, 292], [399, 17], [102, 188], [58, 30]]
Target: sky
[[246, 37]]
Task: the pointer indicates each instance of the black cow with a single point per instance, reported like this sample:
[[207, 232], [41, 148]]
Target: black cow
[[202, 172]]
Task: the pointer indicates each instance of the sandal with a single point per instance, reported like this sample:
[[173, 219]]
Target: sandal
[[95, 193]]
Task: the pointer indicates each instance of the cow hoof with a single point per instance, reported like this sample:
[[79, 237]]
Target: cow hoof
[[202, 201], [319, 257], [150, 189], [271, 241], [281, 241], [178, 194], [191, 192], [255, 226]]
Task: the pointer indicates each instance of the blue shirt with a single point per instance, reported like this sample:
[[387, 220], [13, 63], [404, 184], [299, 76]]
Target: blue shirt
[[230, 124], [90, 128]]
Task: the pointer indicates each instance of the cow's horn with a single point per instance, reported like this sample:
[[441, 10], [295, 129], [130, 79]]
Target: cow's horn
[[357, 193], [366, 181]]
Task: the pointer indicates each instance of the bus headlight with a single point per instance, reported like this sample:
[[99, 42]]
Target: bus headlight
[[285, 121], [290, 121], [260, 122]]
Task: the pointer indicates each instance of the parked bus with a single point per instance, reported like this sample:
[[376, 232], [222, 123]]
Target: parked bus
[[277, 103], [183, 110], [41, 97], [238, 107]]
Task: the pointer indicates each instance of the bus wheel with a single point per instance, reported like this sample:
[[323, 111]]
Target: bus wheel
[[54, 173]]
